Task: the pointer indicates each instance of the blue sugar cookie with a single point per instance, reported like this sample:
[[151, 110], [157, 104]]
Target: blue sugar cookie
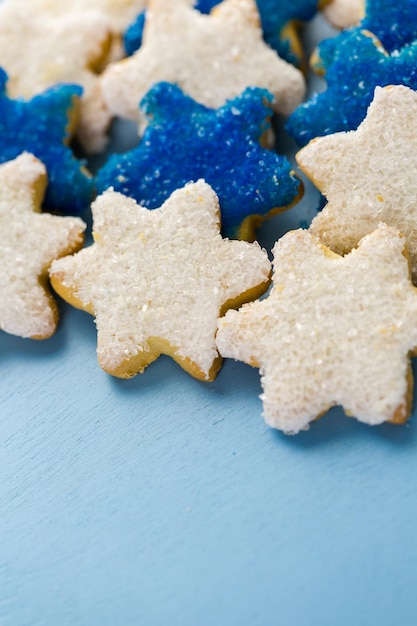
[[132, 38], [185, 141], [360, 64], [277, 20], [40, 126], [393, 23]]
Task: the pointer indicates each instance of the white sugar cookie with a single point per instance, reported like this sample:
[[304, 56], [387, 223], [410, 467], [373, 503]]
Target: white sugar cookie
[[213, 58], [158, 280], [366, 175], [333, 331], [29, 242]]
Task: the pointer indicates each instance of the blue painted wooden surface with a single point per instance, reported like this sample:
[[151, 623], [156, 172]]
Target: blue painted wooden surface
[[163, 500]]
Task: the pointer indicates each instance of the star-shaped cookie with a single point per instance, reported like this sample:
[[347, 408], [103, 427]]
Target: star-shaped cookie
[[394, 24], [42, 126], [367, 175], [220, 145], [29, 242], [39, 50], [157, 281], [213, 58], [360, 64], [333, 331]]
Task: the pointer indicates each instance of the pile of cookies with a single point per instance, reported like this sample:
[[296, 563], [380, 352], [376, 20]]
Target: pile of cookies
[[174, 252]]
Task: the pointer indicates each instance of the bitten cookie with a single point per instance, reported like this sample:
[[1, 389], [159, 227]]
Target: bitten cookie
[[367, 175], [157, 281], [220, 145], [213, 58], [333, 331], [29, 242]]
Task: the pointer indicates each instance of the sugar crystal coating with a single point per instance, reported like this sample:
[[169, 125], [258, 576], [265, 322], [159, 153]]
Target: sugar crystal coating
[[157, 281], [29, 242]]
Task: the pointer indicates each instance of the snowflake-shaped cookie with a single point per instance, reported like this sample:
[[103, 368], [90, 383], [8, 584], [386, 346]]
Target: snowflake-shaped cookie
[[157, 281], [333, 331], [39, 50], [220, 145], [42, 127], [359, 65], [29, 242], [367, 175], [213, 58]]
